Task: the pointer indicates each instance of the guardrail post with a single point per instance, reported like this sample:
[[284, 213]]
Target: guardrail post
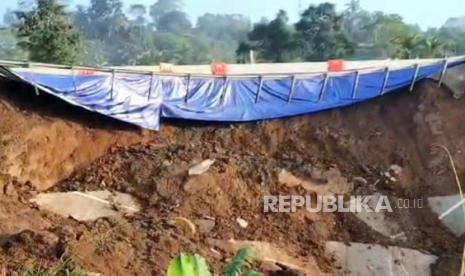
[[73, 73], [443, 72], [224, 89], [291, 89], [188, 84], [112, 83], [259, 88], [152, 79], [355, 85], [385, 81], [36, 89], [415, 76], [323, 87]]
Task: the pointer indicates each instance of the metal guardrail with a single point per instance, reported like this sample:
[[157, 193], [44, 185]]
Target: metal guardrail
[[261, 78], [105, 69]]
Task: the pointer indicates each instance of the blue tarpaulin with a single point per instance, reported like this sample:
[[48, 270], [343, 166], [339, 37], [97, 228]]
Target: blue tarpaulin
[[144, 99]]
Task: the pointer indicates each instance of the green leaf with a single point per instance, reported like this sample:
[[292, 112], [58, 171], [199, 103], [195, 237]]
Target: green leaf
[[188, 265], [201, 266], [235, 266], [252, 273]]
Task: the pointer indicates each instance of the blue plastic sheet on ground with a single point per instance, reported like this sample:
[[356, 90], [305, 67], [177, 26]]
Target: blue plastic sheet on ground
[[142, 99]]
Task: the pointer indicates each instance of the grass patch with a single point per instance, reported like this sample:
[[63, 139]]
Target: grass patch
[[63, 268]]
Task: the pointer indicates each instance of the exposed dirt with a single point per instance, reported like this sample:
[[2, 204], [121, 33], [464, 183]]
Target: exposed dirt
[[39, 146], [354, 146]]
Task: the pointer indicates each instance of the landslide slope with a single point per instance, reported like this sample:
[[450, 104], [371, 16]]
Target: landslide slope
[[84, 152]]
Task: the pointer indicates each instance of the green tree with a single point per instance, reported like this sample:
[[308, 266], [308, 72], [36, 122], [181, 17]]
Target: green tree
[[138, 12], [222, 33], [224, 27], [243, 52], [162, 7], [453, 36], [121, 41], [320, 34], [432, 47], [418, 45], [93, 53], [47, 34], [383, 28], [8, 46], [174, 22], [168, 16], [105, 18], [182, 49], [274, 41], [354, 20], [405, 46]]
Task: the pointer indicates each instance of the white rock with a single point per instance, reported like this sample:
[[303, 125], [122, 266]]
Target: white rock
[[373, 259], [242, 223], [201, 167], [205, 225], [360, 180], [87, 206], [336, 184], [396, 169]]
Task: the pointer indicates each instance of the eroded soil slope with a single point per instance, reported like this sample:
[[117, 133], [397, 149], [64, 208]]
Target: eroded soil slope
[[352, 147], [44, 140]]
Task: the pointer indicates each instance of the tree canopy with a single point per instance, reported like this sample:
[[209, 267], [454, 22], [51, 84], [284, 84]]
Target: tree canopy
[[47, 34], [105, 32], [275, 40], [320, 34]]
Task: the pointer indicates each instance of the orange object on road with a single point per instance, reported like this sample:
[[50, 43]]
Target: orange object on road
[[219, 69], [86, 73], [336, 65]]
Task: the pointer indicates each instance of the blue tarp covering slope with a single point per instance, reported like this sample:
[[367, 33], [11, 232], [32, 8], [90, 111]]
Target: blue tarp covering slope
[[142, 99]]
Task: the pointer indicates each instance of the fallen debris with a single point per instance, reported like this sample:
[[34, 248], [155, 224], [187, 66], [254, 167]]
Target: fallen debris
[[334, 182], [242, 223], [374, 259], [87, 206], [201, 167], [205, 225]]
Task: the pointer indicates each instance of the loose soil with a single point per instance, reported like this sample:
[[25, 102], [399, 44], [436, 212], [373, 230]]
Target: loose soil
[[48, 145]]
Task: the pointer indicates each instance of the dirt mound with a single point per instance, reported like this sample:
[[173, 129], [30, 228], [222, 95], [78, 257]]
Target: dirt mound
[[39, 142], [354, 146]]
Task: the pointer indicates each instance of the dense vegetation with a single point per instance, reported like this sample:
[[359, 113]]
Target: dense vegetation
[[105, 32]]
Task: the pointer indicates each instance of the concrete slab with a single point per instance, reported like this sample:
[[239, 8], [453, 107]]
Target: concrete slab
[[87, 206], [454, 221], [372, 259], [380, 222]]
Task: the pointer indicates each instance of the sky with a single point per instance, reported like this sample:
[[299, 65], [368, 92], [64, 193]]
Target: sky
[[425, 13]]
